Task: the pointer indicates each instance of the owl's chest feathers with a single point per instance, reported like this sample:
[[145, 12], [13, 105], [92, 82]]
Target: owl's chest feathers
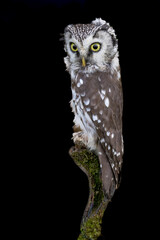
[[83, 121], [90, 69]]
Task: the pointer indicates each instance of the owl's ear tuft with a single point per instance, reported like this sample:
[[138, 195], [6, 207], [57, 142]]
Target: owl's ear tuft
[[98, 22], [101, 24]]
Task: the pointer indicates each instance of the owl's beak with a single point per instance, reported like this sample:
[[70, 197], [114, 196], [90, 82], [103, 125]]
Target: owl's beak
[[83, 62]]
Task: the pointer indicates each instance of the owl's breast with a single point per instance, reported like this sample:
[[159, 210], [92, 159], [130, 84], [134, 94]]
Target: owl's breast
[[82, 119]]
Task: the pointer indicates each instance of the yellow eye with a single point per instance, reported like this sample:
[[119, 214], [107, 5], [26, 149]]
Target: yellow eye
[[74, 47], [95, 47]]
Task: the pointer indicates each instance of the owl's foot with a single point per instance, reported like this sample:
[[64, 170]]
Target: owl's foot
[[80, 139]]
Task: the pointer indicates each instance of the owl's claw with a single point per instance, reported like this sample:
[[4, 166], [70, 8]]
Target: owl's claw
[[80, 139]]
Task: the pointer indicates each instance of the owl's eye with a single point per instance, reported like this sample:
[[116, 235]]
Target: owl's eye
[[74, 47], [95, 47]]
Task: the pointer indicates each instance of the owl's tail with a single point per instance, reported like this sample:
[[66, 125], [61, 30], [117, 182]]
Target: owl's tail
[[107, 176]]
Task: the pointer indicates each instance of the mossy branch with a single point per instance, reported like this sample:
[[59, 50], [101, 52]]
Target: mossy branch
[[97, 202]]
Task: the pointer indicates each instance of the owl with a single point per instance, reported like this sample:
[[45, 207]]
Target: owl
[[97, 99]]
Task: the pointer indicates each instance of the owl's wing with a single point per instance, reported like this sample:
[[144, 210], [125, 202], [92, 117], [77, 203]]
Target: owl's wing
[[102, 98]]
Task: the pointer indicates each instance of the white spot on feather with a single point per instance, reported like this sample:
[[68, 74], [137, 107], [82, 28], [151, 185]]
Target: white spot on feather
[[106, 102], [88, 109], [94, 117], [101, 95], [78, 84], [103, 92], [81, 81], [108, 133], [102, 140], [86, 101], [112, 135], [101, 112]]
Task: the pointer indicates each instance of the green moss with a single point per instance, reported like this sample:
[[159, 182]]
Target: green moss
[[89, 162], [91, 229]]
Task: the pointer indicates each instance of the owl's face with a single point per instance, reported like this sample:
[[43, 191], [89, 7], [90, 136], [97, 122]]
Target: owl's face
[[90, 44]]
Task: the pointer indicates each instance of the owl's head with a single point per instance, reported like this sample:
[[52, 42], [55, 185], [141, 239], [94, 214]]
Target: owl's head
[[87, 45]]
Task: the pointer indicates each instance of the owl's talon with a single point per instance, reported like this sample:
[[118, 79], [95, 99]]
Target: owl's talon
[[80, 139]]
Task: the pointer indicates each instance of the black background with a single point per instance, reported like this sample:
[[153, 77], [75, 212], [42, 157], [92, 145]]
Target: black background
[[46, 192]]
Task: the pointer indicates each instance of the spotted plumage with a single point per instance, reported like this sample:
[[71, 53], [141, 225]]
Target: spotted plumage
[[81, 31], [97, 99]]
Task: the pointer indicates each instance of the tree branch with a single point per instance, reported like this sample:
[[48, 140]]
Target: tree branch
[[97, 202]]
